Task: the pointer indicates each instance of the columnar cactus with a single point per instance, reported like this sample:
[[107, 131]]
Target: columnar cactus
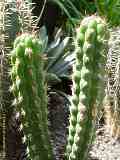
[[85, 86], [11, 13], [30, 95], [4, 80], [76, 86]]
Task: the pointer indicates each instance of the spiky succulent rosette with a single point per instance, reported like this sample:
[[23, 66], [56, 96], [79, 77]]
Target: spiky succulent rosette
[[84, 97], [29, 89]]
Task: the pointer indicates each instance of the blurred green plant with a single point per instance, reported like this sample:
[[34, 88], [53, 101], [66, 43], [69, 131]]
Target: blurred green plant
[[75, 10], [110, 9]]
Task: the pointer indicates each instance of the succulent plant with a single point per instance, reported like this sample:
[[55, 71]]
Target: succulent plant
[[59, 59], [15, 17], [90, 39], [30, 94], [76, 85], [31, 72], [5, 26], [55, 60]]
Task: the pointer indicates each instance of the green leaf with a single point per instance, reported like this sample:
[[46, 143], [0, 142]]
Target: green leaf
[[61, 5], [109, 9]]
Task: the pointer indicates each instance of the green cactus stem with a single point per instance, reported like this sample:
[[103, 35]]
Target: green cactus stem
[[10, 25], [76, 87], [30, 94], [87, 88]]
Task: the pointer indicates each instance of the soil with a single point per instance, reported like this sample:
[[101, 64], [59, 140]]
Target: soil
[[58, 117]]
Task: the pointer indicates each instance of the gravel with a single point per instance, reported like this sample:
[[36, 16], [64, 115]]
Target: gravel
[[104, 147]]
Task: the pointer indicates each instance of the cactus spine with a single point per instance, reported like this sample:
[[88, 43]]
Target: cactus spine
[[10, 25], [30, 95], [4, 78], [84, 97]]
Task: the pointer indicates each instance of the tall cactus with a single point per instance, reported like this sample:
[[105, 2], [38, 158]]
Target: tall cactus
[[4, 78], [85, 86], [30, 95], [14, 18]]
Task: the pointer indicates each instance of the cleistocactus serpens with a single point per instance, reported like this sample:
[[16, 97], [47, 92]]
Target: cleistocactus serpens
[[29, 89], [92, 34]]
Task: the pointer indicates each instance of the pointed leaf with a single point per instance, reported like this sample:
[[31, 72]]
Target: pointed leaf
[[57, 53]]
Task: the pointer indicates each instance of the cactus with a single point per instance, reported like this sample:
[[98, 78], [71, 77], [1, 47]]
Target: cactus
[[4, 78], [76, 86], [11, 13], [85, 86], [30, 95], [27, 22]]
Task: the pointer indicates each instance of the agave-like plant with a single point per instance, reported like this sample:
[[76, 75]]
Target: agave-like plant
[[59, 58]]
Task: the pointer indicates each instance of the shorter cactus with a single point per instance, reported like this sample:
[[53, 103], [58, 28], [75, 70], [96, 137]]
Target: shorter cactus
[[85, 86], [30, 95]]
